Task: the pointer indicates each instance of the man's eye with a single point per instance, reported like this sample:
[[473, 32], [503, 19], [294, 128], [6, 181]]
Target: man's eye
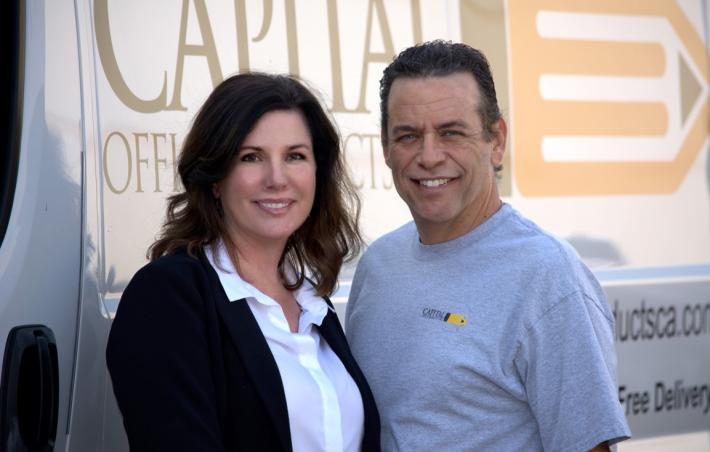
[[408, 138], [451, 133]]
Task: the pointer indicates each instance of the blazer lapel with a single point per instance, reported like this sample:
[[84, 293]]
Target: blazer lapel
[[259, 362], [251, 345], [333, 333], [261, 366]]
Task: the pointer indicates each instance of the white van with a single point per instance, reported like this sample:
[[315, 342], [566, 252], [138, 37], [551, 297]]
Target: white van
[[607, 102]]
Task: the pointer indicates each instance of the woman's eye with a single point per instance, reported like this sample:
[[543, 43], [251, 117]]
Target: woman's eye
[[296, 156], [248, 157]]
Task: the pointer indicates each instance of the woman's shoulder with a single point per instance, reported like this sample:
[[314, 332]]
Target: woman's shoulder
[[177, 281], [175, 263], [172, 269]]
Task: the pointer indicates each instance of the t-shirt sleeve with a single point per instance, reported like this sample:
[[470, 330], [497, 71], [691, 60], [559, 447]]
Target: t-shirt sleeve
[[567, 363], [354, 294]]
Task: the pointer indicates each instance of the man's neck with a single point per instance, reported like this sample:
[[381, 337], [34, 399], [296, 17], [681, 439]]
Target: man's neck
[[433, 233]]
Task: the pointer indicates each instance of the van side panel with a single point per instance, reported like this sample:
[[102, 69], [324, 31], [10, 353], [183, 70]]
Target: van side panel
[[40, 253], [96, 423]]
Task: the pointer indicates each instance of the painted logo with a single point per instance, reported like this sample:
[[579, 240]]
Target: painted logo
[[608, 96]]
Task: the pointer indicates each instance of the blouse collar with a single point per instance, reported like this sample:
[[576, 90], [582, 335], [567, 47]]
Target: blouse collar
[[313, 306]]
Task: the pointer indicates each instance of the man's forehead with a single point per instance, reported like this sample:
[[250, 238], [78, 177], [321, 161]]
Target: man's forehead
[[453, 95], [441, 104], [434, 94]]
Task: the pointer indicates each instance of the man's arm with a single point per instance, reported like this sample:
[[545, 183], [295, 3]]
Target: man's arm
[[567, 362]]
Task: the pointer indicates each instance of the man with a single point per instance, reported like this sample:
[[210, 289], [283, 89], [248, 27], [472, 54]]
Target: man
[[476, 329]]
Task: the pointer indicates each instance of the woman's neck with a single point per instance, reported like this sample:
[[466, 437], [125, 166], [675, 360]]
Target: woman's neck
[[258, 264]]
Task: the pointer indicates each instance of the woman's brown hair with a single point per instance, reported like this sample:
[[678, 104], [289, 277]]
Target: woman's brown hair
[[328, 236]]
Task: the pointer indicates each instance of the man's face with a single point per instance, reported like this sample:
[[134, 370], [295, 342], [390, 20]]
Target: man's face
[[442, 164]]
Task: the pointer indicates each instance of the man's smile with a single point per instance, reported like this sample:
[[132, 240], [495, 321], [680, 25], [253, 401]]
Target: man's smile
[[434, 183]]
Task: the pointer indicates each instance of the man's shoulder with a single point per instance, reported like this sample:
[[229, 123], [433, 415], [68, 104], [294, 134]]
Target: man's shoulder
[[394, 240], [549, 261], [549, 269], [538, 245], [386, 252]]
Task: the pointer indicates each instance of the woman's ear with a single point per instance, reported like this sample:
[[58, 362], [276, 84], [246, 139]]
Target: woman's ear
[[215, 190]]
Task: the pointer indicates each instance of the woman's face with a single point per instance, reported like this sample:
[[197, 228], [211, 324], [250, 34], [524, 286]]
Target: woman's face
[[269, 191]]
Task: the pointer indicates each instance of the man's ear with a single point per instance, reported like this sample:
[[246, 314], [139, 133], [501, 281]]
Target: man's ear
[[386, 152], [500, 137]]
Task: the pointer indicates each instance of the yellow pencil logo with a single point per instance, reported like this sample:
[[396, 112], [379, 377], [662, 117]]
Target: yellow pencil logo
[[455, 319], [443, 316]]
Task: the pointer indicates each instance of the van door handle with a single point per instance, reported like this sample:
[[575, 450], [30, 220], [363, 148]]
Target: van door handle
[[29, 393], [48, 390]]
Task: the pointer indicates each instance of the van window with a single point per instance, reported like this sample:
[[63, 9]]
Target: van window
[[12, 54]]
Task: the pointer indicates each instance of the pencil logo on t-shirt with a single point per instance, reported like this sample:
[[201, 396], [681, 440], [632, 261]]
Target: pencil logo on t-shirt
[[448, 317]]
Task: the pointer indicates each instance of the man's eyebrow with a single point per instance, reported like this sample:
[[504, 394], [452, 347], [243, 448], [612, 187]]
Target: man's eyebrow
[[403, 128], [455, 124], [452, 125]]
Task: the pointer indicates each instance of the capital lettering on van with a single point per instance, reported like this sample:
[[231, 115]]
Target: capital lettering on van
[[610, 97], [378, 47], [162, 81]]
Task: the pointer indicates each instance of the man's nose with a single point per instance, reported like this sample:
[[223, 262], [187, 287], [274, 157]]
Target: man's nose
[[431, 152]]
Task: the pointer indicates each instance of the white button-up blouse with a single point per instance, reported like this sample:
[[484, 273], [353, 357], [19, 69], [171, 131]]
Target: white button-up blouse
[[325, 408]]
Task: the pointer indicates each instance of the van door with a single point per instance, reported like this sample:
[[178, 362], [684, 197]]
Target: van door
[[40, 222]]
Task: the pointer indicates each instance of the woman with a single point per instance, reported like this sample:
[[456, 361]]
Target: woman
[[221, 343]]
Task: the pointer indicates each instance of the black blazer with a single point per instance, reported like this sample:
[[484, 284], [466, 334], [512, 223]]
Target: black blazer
[[192, 371]]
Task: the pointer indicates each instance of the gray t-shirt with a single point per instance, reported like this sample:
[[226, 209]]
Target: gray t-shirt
[[499, 340]]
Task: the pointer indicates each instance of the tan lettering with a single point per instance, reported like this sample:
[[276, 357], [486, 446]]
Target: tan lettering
[[346, 146], [374, 141], [372, 161], [291, 33], [127, 148], [336, 67], [266, 20], [173, 149], [139, 160], [368, 142], [374, 57], [149, 152], [157, 160], [207, 49], [416, 21], [240, 14], [112, 71], [292, 37]]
